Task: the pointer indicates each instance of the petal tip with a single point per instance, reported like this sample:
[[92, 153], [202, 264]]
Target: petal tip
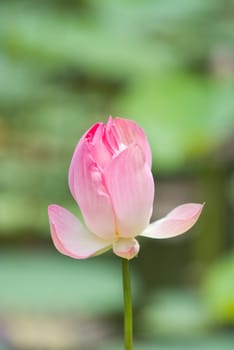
[[54, 210], [51, 207]]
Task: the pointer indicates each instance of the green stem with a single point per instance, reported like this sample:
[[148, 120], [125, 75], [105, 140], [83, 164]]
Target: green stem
[[127, 305]]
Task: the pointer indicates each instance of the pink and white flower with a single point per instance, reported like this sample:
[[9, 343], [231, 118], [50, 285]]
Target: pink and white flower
[[110, 178]]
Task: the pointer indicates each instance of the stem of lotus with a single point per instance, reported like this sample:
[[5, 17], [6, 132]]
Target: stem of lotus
[[127, 305]]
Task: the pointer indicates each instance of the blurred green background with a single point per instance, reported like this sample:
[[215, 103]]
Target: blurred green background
[[169, 65]]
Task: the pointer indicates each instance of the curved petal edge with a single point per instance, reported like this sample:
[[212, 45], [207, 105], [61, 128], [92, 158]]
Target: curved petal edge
[[71, 238], [177, 222]]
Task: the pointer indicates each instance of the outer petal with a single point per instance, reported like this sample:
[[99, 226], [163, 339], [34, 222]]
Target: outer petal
[[70, 237], [126, 248], [178, 221], [93, 137], [88, 188], [120, 133], [131, 187]]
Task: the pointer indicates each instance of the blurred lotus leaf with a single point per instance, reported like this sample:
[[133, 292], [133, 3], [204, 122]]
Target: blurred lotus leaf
[[48, 282], [174, 313], [218, 290]]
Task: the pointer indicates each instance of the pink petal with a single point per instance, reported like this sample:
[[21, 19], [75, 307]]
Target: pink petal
[[121, 133], [96, 140], [101, 155], [70, 237], [88, 188], [131, 188], [178, 221], [126, 248]]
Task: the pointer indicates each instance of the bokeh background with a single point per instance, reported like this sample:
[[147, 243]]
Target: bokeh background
[[169, 65]]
